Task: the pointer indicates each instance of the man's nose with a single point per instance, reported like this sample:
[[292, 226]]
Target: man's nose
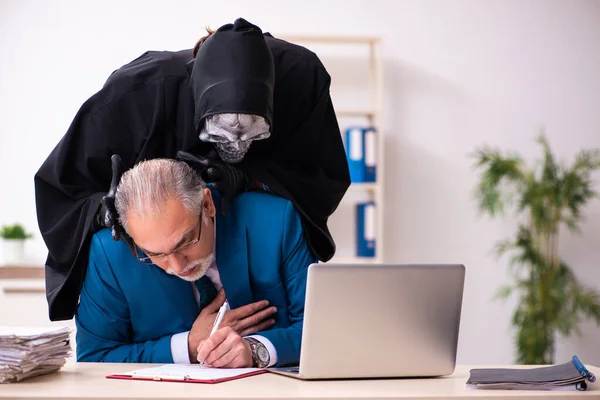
[[176, 263]]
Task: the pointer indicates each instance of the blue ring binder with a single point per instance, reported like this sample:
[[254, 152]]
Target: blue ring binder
[[583, 370]]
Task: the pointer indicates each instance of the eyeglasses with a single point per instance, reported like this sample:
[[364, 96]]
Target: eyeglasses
[[163, 256]]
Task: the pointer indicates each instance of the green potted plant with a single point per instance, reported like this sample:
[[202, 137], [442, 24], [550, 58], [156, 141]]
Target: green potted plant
[[545, 198], [13, 240]]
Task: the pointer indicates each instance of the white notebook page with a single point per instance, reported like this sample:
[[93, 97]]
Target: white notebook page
[[189, 371]]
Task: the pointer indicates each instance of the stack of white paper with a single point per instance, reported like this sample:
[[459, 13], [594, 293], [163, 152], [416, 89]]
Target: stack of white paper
[[28, 352]]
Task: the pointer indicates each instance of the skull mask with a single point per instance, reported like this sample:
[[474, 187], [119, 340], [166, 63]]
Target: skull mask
[[233, 134], [232, 83]]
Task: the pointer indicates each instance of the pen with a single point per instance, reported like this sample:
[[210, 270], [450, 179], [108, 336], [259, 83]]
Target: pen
[[224, 308]]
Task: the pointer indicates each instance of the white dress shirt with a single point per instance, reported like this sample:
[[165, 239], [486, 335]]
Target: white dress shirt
[[179, 341]]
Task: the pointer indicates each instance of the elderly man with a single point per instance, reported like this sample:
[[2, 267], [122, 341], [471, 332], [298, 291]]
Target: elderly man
[[149, 301]]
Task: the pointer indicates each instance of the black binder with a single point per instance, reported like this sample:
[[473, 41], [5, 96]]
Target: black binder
[[571, 375]]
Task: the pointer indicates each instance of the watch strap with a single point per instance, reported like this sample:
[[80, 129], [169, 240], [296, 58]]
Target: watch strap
[[254, 347]]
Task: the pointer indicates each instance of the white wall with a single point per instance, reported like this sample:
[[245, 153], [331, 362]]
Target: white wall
[[458, 74]]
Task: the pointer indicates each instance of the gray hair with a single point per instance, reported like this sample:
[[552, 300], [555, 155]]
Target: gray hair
[[144, 189]]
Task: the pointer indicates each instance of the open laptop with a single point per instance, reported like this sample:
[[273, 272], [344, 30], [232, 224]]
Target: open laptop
[[380, 321]]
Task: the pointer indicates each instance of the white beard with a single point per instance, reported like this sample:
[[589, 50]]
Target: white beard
[[204, 264]]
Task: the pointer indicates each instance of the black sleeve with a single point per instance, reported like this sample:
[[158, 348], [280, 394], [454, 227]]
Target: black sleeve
[[68, 189], [309, 166], [142, 112]]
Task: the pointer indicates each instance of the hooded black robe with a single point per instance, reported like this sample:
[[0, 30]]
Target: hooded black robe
[[145, 110]]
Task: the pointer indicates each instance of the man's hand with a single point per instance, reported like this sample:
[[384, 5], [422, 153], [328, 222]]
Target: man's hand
[[227, 179], [254, 317], [225, 349]]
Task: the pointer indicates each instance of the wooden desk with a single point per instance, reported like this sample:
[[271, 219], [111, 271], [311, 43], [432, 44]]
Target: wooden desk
[[87, 381]]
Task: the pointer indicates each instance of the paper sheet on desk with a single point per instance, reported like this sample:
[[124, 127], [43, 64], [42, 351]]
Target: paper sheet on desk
[[29, 332], [188, 373], [31, 351]]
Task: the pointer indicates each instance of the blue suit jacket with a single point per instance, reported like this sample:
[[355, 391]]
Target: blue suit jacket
[[129, 310]]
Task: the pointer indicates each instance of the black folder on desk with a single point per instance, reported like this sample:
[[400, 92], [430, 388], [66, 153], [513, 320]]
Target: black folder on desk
[[571, 375]]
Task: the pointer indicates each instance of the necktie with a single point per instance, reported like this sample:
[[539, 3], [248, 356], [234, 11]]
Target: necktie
[[206, 290]]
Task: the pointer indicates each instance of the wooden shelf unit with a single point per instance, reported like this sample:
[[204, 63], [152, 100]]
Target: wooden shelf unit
[[372, 114]]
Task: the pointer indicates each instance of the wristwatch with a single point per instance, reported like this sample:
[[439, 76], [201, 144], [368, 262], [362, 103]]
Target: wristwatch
[[260, 354]]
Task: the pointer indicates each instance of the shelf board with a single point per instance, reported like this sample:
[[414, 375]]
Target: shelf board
[[23, 290], [354, 260], [368, 186], [21, 272], [355, 113], [329, 39]]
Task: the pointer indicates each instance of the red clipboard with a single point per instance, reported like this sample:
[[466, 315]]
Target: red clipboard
[[184, 379]]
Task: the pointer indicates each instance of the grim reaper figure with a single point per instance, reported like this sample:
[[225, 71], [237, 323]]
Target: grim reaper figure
[[247, 110]]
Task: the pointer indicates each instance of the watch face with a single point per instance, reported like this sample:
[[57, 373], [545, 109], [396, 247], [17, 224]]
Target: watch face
[[263, 354]]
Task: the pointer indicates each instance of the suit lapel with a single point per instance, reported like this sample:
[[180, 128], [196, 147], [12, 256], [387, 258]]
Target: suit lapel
[[232, 258], [180, 295]]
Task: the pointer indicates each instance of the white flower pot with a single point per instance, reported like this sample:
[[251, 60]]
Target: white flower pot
[[12, 251]]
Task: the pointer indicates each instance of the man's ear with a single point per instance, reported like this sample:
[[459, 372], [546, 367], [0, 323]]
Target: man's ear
[[208, 205]]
